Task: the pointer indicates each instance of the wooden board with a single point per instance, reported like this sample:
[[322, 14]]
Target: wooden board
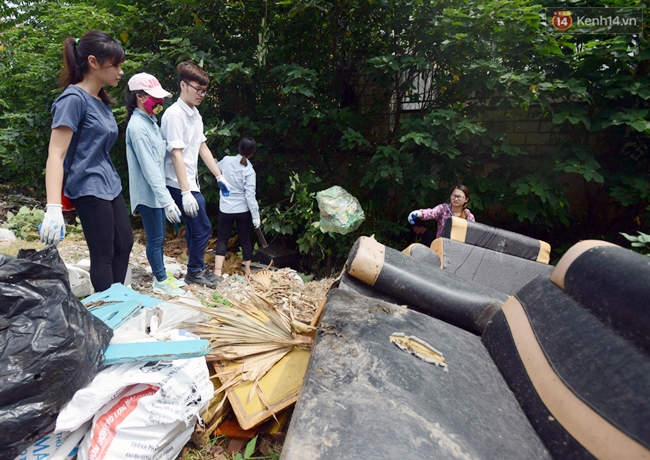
[[280, 386]]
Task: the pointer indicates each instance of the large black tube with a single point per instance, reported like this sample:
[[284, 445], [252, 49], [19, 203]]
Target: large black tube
[[428, 289], [612, 282], [496, 239]]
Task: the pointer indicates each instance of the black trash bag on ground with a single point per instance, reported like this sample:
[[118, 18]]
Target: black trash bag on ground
[[50, 346]]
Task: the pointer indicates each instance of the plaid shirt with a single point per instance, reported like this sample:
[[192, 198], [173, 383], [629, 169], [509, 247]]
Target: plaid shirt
[[441, 213]]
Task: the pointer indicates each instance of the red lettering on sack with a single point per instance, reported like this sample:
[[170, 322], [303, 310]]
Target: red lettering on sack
[[106, 426]]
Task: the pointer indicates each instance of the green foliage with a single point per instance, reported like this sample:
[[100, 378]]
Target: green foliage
[[640, 243], [249, 451], [297, 216], [393, 101], [221, 300], [25, 223]]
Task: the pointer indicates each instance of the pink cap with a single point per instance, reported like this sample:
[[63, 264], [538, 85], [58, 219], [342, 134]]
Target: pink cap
[[149, 84]]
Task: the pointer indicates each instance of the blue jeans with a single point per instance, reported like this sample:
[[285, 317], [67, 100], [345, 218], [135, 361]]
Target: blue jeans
[[197, 230], [154, 222]]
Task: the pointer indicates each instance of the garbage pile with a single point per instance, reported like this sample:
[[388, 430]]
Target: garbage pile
[[123, 375]]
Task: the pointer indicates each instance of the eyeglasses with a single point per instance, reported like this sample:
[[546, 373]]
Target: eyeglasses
[[199, 91], [457, 197]]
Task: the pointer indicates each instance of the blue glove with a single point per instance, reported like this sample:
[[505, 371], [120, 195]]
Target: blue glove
[[223, 185], [414, 215]]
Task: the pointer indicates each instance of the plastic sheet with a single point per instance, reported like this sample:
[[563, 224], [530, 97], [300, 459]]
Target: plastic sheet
[[50, 346], [340, 211]]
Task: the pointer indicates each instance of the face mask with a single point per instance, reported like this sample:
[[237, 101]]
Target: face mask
[[153, 105]]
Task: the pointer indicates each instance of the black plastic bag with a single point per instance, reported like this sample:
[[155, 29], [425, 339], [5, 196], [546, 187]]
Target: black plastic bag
[[50, 346]]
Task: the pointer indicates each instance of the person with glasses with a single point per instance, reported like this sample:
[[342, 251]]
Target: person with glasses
[[83, 132], [457, 207], [182, 129]]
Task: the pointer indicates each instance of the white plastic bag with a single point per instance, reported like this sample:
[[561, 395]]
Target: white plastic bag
[[7, 235], [158, 323], [44, 448], [139, 410]]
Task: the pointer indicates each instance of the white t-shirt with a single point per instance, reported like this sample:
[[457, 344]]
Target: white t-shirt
[[182, 128]]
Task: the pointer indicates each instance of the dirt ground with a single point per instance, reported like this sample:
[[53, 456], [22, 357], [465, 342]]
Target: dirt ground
[[304, 297]]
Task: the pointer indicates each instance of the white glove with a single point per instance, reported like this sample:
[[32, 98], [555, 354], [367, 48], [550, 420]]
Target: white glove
[[414, 215], [52, 230], [256, 222], [190, 205], [172, 213], [223, 185]]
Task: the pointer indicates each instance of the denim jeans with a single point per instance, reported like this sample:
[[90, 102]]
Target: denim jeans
[[154, 222], [197, 230], [108, 233], [224, 227]]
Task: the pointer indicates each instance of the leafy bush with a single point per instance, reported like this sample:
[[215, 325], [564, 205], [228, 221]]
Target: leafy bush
[[298, 217], [640, 243], [25, 223]]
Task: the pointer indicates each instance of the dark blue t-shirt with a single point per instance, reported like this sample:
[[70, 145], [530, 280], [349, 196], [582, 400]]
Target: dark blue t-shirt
[[92, 171]]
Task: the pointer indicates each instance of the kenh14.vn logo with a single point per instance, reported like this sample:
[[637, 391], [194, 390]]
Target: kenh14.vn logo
[[562, 19]]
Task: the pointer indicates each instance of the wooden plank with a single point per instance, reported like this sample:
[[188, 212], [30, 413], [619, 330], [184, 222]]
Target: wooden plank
[[281, 386]]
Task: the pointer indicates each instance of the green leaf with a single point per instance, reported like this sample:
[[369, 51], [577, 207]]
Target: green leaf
[[250, 448]]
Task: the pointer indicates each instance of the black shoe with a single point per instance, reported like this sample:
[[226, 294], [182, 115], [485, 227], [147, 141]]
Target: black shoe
[[203, 277], [213, 276]]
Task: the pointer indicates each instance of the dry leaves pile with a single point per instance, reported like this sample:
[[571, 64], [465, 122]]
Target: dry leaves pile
[[248, 337], [299, 302]]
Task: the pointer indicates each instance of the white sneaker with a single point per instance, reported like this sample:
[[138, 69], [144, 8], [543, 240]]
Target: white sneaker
[[176, 281], [166, 287]]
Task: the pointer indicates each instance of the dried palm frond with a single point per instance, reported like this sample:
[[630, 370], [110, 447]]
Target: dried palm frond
[[249, 369], [247, 329], [253, 336], [249, 337], [262, 278]]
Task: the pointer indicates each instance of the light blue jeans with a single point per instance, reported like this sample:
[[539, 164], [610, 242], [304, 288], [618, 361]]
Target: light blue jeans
[[154, 223]]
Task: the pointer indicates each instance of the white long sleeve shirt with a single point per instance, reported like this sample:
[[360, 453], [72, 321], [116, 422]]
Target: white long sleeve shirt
[[242, 180]]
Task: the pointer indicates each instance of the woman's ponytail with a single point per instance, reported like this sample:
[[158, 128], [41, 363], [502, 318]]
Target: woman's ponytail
[[247, 148]]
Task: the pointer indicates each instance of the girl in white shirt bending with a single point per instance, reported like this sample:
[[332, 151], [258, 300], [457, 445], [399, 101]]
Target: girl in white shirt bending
[[241, 206]]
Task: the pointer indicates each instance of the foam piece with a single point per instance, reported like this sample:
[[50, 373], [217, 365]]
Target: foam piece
[[503, 272], [424, 287], [423, 253], [612, 282], [363, 397], [496, 239], [583, 386]]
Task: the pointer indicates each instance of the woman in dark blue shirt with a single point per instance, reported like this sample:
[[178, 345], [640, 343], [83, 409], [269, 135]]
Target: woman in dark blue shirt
[[83, 132]]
